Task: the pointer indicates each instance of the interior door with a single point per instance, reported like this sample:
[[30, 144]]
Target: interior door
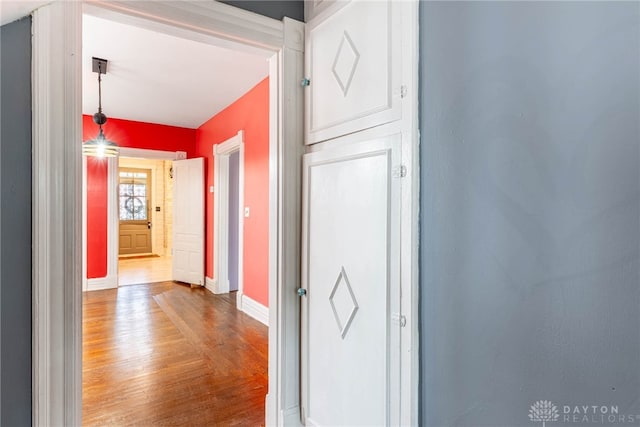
[[351, 226], [134, 195], [188, 221]]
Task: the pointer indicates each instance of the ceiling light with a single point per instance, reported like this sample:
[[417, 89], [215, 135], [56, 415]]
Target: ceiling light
[[100, 146]]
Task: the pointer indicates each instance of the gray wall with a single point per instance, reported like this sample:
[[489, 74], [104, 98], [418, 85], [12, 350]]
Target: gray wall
[[15, 223], [530, 227], [276, 9]]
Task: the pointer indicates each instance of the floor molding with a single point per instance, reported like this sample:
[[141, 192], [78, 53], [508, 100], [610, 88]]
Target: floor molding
[[210, 284], [100, 283], [254, 309]]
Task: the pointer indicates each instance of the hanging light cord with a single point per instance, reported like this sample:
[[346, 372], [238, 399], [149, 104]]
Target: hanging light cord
[[100, 90]]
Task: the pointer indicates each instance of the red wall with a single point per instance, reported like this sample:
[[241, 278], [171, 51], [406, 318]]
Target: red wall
[[129, 134], [96, 217], [250, 113]]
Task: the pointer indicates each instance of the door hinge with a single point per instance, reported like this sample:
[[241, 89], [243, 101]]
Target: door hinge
[[400, 319], [305, 82], [403, 91], [400, 171]]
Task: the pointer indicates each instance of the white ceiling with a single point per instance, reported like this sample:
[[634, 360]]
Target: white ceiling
[[10, 10], [158, 78], [154, 77]]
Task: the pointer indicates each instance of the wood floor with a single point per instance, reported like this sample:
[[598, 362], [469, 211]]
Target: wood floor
[[133, 271], [164, 354]]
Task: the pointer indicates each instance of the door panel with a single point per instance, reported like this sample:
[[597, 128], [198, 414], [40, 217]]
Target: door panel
[[351, 226], [134, 239], [188, 221], [134, 195], [352, 61]]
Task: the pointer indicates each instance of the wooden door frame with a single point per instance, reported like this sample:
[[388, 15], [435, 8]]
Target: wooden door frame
[[57, 187], [220, 255], [149, 196]]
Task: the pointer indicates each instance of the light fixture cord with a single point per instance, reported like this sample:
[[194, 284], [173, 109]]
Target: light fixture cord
[[100, 89]]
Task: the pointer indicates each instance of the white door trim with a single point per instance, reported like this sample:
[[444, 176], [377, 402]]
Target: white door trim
[[57, 185], [221, 153], [57, 215], [144, 153]]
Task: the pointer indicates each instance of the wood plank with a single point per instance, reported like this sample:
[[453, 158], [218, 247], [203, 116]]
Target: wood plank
[[167, 354]]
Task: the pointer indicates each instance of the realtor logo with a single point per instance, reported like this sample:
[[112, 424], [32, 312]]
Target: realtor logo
[[543, 411]]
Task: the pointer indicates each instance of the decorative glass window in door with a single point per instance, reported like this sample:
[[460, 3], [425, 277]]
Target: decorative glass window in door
[[133, 196]]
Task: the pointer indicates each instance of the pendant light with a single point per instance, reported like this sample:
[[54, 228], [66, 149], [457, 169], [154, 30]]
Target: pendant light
[[100, 146]]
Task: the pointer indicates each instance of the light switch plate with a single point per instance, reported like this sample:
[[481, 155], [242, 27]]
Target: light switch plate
[[246, 212]]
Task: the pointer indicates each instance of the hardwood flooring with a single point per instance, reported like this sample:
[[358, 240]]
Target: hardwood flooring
[[164, 354], [133, 271]]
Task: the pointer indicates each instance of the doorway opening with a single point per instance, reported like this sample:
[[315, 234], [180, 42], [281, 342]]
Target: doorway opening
[[135, 211], [145, 214], [57, 328], [229, 214]]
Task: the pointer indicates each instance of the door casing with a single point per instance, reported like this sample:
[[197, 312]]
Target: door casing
[[57, 303], [57, 169], [221, 153], [138, 224]]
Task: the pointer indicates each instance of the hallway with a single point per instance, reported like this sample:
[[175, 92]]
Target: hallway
[[166, 354]]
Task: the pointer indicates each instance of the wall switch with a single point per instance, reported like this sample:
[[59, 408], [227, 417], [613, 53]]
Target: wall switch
[[157, 208], [246, 212], [211, 189]]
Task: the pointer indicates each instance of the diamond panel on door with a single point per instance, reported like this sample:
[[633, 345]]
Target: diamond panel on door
[[351, 274], [352, 63]]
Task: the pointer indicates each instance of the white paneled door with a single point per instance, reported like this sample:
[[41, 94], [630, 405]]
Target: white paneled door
[[188, 221], [353, 64], [351, 344]]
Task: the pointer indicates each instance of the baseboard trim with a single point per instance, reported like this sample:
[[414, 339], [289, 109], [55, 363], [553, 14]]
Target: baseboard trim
[[254, 309], [210, 284], [216, 287], [101, 283], [291, 417]]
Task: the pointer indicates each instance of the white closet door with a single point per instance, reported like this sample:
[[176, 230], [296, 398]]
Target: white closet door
[[352, 60], [351, 229]]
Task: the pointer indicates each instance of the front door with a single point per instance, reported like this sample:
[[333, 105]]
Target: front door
[[134, 193]]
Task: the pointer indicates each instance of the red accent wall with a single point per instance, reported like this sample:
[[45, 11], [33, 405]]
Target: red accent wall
[[151, 136], [250, 113], [96, 217], [129, 134]]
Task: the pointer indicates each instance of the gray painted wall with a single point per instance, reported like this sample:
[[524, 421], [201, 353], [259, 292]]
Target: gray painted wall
[[530, 230], [276, 9], [15, 223]]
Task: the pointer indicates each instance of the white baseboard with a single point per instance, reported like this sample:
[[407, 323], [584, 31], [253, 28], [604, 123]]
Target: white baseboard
[[101, 283], [216, 287], [210, 284], [291, 417], [254, 309]]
